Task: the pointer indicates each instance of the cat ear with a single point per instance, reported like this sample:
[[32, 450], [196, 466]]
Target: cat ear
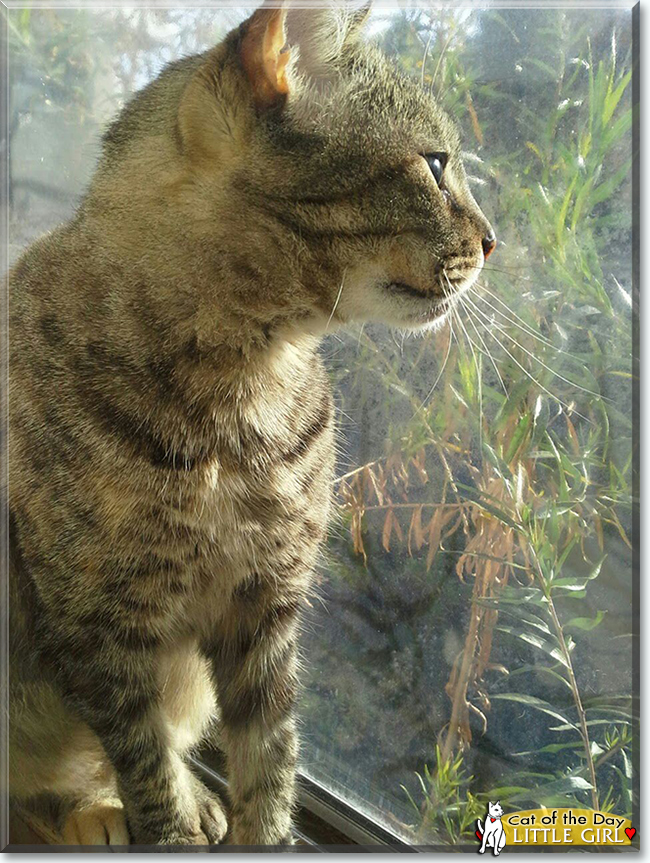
[[263, 56], [321, 37], [206, 124], [325, 35]]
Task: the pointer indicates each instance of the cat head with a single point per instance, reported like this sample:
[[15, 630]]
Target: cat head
[[495, 810], [315, 178]]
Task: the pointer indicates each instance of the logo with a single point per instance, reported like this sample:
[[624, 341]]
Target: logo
[[565, 826], [492, 835]]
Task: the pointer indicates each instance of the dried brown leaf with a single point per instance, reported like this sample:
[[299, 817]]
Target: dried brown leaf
[[379, 492], [418, 532], [476, 126], [388, 527], [397, 527], [575, 443], [434, 536], [598, 524]]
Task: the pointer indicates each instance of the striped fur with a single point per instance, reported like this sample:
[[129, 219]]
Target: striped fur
[[172, 442]]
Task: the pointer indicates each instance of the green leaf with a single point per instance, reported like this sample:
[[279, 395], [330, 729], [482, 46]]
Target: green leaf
[[517, 612], [536, 641], [578, 583], [627, 764], [544, 67], [536, 704], [585, 623], [614, 98], [550, 748], [568, 584], [607, 188], [540, 669], [520, 595], [618, 712], [608, 700], [518, 436], [627, 790], [562, 559], [565, 785], [560, 222], [488, 507], [551, 793], [411, 800], [571, 727], [581, 199]]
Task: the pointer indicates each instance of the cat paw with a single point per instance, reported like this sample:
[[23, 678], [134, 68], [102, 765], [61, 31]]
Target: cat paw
[[181, 840], [214, 824], [200, 820], [190, 840], [96, 822], [207, 826]]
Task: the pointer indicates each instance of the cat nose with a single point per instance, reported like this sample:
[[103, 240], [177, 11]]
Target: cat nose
[[489, 243]]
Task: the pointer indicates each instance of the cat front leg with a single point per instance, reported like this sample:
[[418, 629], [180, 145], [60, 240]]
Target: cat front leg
[[109, 680], [255, 674]]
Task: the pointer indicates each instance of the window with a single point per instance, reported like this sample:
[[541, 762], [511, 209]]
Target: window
[[473, 630], [480, 580]]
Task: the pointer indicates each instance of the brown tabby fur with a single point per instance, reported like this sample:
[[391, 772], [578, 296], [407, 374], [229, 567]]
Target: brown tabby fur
[[171, 436]]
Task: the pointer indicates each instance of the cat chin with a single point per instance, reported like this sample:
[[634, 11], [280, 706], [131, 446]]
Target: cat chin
[[430, 321], [413, 325], [396, 305], [378, 305], [420, 320], [428, 326]]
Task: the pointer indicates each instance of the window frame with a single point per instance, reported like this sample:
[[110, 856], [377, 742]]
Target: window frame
[[323, 820]]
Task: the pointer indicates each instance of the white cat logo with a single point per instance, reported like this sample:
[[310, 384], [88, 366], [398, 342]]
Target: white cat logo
[[492, 835]]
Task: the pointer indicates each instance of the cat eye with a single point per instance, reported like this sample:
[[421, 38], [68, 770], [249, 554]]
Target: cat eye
[[436, 163]]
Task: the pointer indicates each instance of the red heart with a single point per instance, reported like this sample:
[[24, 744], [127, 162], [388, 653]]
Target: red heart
[[629, 832], [493, 820]]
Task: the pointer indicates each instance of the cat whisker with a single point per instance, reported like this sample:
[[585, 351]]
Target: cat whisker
[[481, 349], [471, 318], [425, 57], [398, 345], [338, 300], [522, 325], [479, 376], [440, 373], [525, 327], [569, 408], [530, 354], [512, 322], [490, 268], [363, 326]]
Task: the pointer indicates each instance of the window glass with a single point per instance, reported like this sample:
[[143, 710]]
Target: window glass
[[478, 587], [470, 635]]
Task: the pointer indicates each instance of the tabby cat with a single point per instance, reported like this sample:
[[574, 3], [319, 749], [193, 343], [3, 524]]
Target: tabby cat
[[171, 435]]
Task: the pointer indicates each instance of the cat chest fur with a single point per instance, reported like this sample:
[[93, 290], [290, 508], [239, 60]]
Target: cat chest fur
[[256, 508], [165, 546]]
